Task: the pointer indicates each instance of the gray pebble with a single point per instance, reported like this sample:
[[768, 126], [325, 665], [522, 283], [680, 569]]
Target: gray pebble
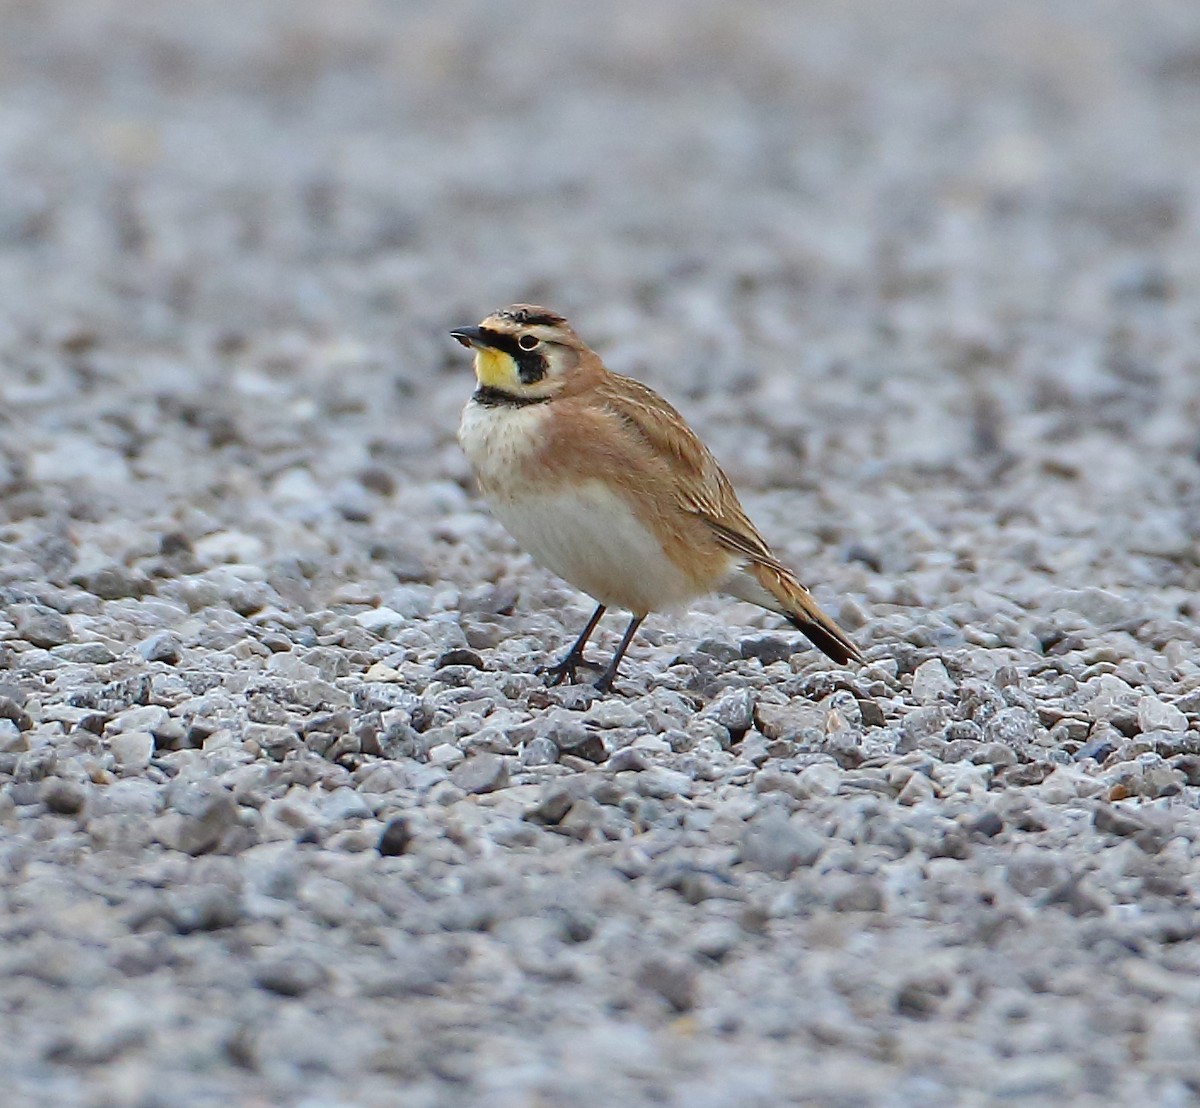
[[539, 751], [734, 711], [672, 979], [115, 582], [767, 648], [67, 798], [13, 712], [483, 773], [294, 976], [921, 725], [132, 749], [664, 783], [40, 625], [1012, 726], [779, 846], [163, 646], [931, 682], [12, 739]]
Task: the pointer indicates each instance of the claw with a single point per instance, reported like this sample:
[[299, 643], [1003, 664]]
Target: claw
[[566, 670]]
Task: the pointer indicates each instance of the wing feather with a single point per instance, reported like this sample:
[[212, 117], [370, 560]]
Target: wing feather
[[702, 490]]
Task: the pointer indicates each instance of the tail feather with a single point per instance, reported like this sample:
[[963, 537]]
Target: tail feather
[[780, 592]]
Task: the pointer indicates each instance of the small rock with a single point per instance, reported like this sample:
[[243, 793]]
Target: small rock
[[164, 646], [931, 682], [341, 805], [540, 751], [1189, 766], [858, 894], [11, 710], [206, 817], [144, 717], [921, 725], [1079, 896], [114, 582], [1100, 747], [964, 730], [627, 759], [12, 739], [723, 652], [293, 977], [767, 648], [39, 625], [920, 997], [1032, 870], [613, 713], [229, 547], [871, 712], [132, 750], [988, 824], [460, 657], [917, 788], [556, 801], [67, 798], [210, 907], [776, 845], [396, 838], [484, 773], [734, 711], [85, 653], [852, 615], [383, 622], [783, 721], [1099, 607], [570, 736], [1156, 715], [819, 779], [673, 979], [273, 739], [663, 783], [1117, 821], [446, 755], [716, 940], [1011, 726]]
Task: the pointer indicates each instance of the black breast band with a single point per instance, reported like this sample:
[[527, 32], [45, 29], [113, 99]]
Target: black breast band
[[498, 398]]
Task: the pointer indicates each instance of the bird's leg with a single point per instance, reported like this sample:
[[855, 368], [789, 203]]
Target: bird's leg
[[605, 682], [565, 670]]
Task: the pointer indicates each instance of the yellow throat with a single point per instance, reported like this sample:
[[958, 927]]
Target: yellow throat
[[496, 370]]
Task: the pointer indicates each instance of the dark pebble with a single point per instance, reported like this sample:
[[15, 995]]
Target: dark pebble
[[395, 839], [460, 657]]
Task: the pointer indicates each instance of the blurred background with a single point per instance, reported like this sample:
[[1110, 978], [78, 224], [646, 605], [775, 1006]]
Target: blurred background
[[865, 247], [925, 277]]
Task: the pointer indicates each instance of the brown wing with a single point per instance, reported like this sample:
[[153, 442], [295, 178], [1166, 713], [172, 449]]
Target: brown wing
[[702, 488], [705, 492]]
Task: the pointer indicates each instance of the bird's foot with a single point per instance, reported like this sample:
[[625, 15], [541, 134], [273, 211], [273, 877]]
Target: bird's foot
[[565, 670]]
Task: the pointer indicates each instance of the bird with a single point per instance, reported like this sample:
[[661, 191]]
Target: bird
[[603, 483]]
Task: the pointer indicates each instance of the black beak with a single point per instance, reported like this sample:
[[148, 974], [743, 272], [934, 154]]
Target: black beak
[[468, 336]]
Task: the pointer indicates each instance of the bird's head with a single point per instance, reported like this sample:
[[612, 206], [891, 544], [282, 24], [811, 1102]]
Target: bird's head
[[524, 351]]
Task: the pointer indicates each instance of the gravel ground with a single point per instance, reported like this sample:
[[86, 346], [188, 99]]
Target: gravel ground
[[285, 817]]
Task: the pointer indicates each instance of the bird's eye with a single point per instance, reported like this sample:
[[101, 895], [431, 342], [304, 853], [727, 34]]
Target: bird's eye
[[527, 342]]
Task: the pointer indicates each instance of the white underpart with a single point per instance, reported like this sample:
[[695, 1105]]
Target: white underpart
[[585, 533], [498, 440], [590, 538]]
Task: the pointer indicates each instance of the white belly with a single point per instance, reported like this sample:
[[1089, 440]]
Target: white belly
[[497, 441], [585, 533], [590, 538]]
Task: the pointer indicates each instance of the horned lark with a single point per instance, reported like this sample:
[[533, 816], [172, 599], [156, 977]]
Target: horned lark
[[602, 481]]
